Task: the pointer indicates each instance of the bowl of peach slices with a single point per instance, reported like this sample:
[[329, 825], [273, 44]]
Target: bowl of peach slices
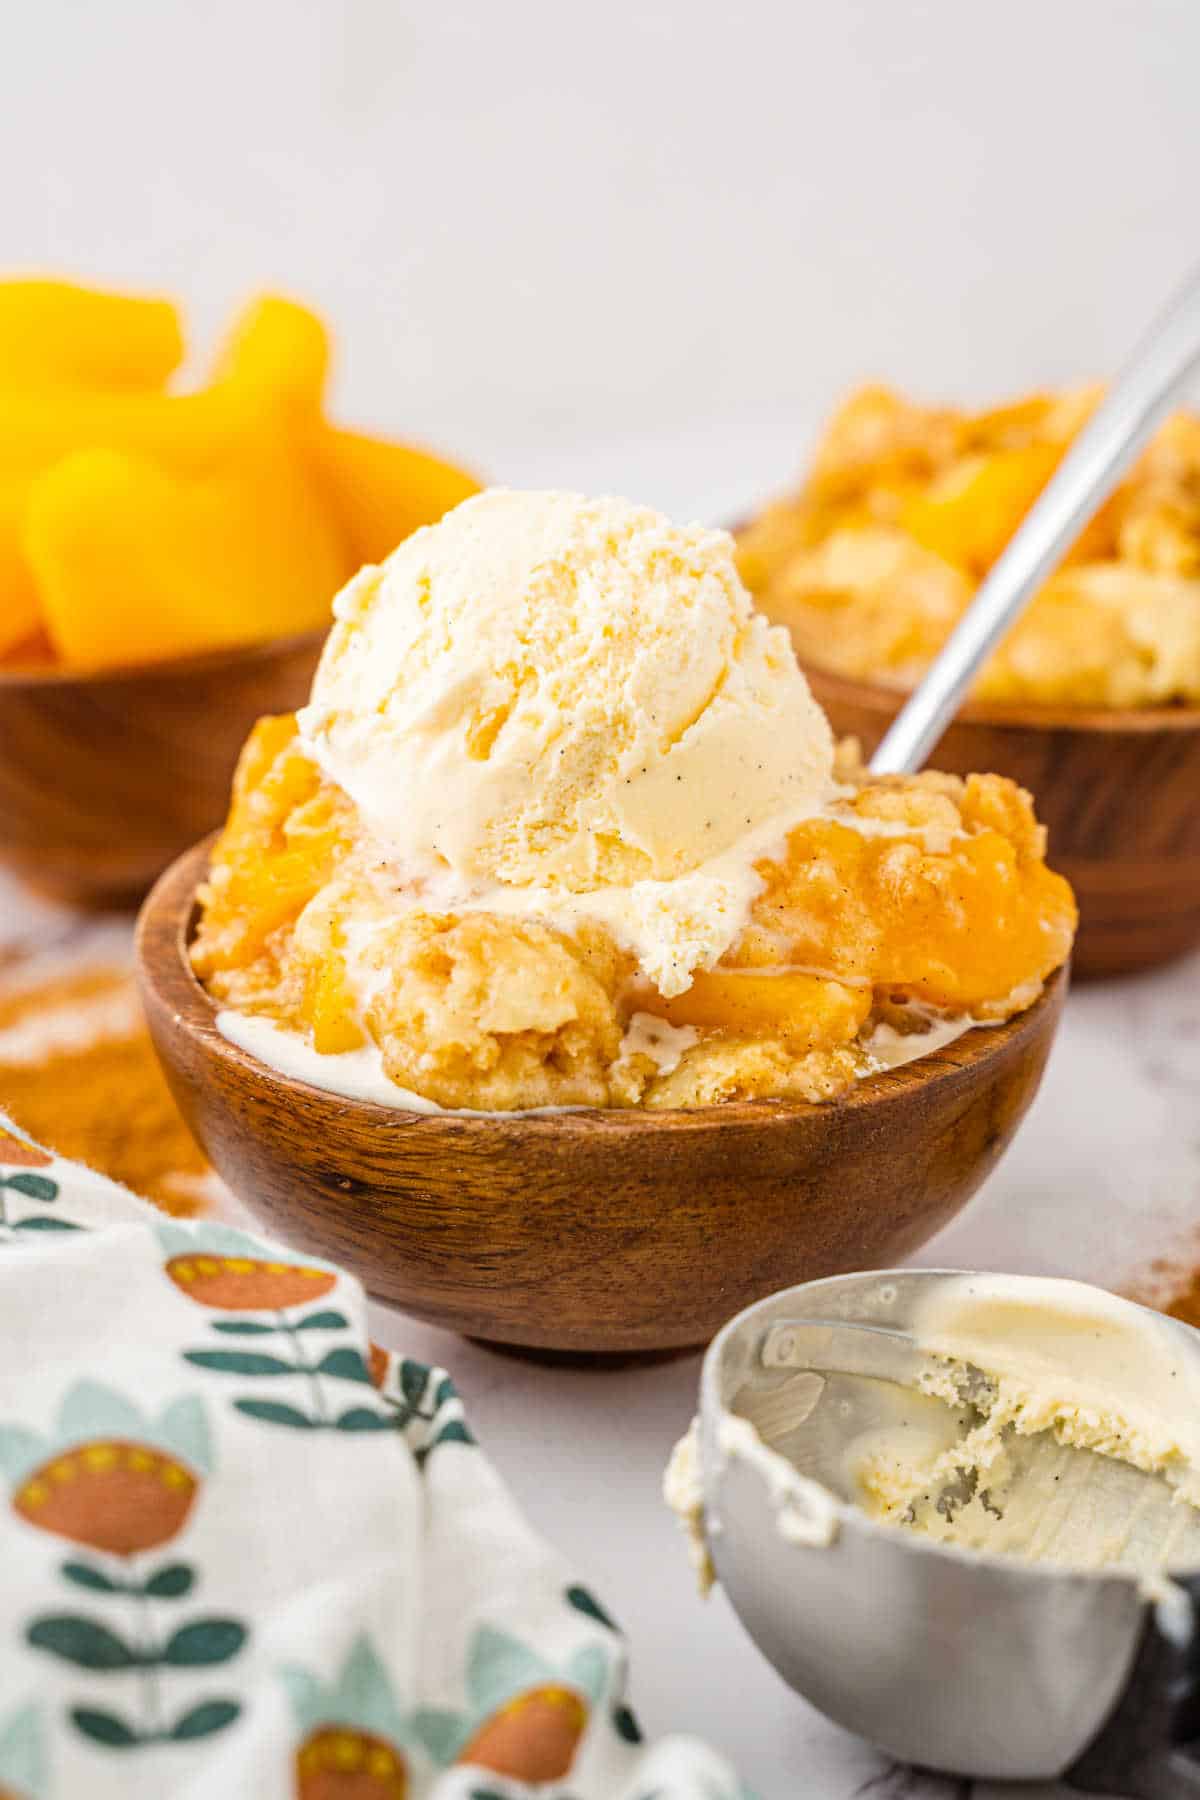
[[554, 972], [1092, 701], [167, 557]]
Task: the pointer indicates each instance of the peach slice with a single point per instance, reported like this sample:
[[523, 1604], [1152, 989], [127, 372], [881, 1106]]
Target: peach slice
[[958, 929], [135, 564], [272, 368], [330, 1008], [969, 515], [804, 1009], [54, 333], [382, 491], [279, 348], [20, 608], [189, 433], [279, 846]]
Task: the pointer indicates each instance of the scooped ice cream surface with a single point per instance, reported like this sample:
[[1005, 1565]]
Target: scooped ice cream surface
[[1073, 1398], [550, 691]]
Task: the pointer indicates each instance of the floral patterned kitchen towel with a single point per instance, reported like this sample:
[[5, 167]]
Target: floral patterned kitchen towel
[[244, 1552]]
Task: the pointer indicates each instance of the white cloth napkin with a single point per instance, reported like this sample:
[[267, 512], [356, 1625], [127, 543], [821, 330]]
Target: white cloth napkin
[[243, 1553]]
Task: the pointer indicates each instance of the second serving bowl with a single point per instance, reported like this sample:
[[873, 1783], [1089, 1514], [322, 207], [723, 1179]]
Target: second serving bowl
[[587, 1231], [107, 774], [1118, 790]]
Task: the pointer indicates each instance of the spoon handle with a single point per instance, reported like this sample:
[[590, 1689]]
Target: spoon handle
[[1086, 476]]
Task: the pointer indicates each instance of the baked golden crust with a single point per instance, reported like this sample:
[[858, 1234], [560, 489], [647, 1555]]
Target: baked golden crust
[[927, 889], [905, 509]]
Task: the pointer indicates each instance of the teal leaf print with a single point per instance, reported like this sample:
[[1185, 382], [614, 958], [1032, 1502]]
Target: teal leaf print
[[203, 1642], [20, 1451], [23, 1753], [322, 1321], [414, 1379], [90, 1644], [454, 1431], [239, 1362], [274, 1412], [171, 1582], [360, 1697], [346, 1363], [587, 1669], [183, 1427], [303, 1690], [499, 1667], [244, 1327], [82, 1642], [585, 1602], [43, 1222], [90, 1409], [626, 1726], [364, 1691], [361, 1418], [34, 1187], [179, 1239], [446, 1390], [104, 1728], [203, 1720], [83, 1575], [442, 1734]]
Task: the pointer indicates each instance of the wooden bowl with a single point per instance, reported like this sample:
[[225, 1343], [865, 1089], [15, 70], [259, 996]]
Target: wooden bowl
[[107, 775], [589, 1231], [1119, 791]]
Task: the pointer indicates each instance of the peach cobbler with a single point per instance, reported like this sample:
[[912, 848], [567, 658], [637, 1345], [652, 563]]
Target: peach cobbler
[[563, 826], [906, 508]]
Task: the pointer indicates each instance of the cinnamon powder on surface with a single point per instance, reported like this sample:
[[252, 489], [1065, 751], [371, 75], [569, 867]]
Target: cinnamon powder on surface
[[1186, 1304], [78, 1073]]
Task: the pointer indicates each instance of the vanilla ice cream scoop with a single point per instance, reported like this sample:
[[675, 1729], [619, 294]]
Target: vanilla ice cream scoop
[[546, 690]]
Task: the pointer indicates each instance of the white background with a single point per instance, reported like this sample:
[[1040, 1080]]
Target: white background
[[549, 232]]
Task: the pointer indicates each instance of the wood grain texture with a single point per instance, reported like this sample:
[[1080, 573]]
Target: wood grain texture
[[1119, 791], [591, 1231], [106, 776]]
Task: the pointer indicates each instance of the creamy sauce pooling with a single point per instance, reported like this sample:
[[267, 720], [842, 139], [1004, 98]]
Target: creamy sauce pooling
[[355, 1074]]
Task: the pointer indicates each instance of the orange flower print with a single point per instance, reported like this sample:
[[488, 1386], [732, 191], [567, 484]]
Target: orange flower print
[[229, 1273], [109, 1477], [355, 1735], [248, 1284], [18, 1153], [336, 1763], [378, 1363], [109, 1494], [524, 1718], [220, 1267], [534, 1738], [118, 1482], [25, 1185]]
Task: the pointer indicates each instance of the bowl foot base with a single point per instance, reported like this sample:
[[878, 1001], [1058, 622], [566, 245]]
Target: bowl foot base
[[587, 1359]]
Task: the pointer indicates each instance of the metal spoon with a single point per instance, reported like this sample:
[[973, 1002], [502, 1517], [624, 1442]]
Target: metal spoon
[[1088, 473]]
